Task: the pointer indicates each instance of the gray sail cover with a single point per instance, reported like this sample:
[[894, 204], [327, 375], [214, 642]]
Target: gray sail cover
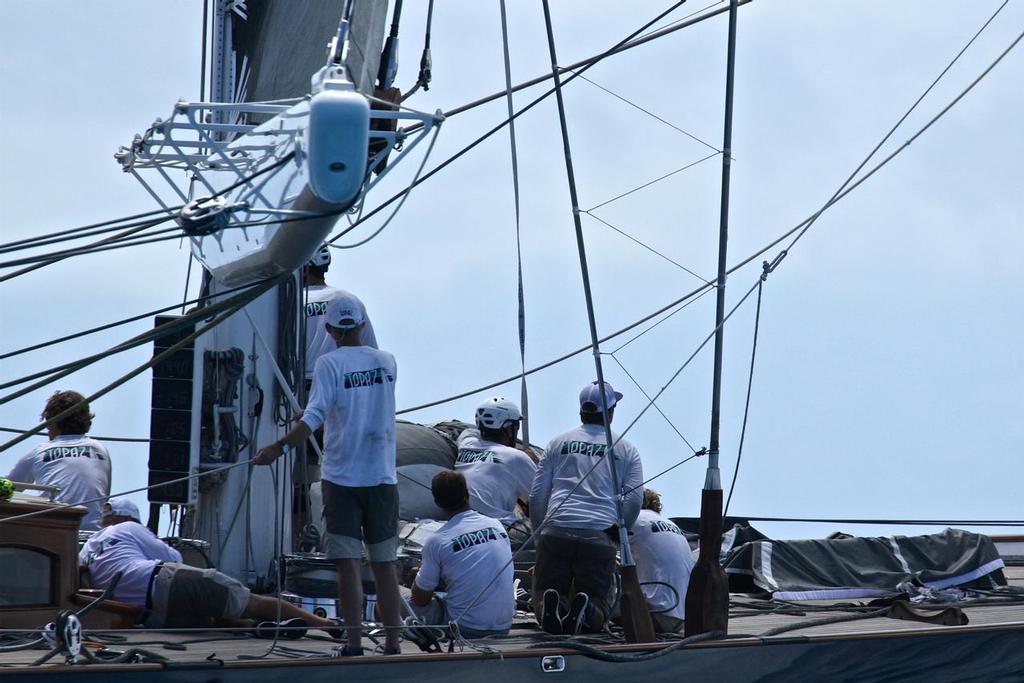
[[855, 567]]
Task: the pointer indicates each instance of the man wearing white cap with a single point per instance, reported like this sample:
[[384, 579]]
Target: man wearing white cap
[[497, 474], [574, 498], [353, 398], [169, 593]]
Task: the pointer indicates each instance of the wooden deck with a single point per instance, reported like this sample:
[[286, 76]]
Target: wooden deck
[[748, 617]]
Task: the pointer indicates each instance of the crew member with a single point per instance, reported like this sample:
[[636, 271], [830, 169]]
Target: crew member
[[497, 474], [70, 460], [353, 397], [318, 295], [574, 498], [663, 564], [170, 594], [471, 555], [307, 498]]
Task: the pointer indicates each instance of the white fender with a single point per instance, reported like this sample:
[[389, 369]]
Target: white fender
[[337, 140]]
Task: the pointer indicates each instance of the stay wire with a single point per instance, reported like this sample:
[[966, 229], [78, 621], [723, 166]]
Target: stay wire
[[652, 115], [801, 225], [124, 321], [167, 328], [521, 306], [652, 182], [750, 384], [231, 307], [144, 220], [656, 407], [644, 245]]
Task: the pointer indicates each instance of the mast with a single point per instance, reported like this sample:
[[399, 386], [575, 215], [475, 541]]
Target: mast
[[707, 598]]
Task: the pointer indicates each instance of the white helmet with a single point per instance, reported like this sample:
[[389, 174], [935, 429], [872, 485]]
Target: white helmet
[[321, 257], [497, 413]]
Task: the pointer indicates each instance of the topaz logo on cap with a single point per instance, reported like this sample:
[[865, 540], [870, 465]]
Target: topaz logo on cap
[[345, 312], [590, 397]]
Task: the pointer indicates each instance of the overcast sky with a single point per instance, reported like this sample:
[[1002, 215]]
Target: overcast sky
[[888, 375]]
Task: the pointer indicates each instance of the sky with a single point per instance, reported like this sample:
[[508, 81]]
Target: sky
[[888, 367]]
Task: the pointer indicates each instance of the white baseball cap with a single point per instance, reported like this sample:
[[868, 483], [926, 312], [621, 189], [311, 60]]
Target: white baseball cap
[[590, 397], [345, 312], [121, 507]]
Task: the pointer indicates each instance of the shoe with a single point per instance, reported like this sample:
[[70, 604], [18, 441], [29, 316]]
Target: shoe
[[345, 651], [550, 613], [289, 629], [573, 622]]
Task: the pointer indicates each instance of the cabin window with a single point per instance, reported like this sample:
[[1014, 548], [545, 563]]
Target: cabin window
[[26, 577]]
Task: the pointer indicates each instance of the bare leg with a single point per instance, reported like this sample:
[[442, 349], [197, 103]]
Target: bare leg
[[264, 608], [350, 592], [389, 600]]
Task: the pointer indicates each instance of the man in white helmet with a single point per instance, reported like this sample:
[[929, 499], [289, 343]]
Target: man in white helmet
[[497, 474], [318, 295], [574, 498]]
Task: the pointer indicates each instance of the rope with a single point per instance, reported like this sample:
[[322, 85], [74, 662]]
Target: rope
[[523, 395], [750, 384], [824, 621], [627, 658], [894, 522]]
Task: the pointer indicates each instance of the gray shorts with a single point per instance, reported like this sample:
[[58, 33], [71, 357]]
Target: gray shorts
[[357, 514], [182, 596]]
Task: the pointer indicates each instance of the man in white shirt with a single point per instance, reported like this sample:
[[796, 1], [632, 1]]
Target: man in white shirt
[[663, 564], [170, 594], [318, 295], [318, 342], [574, 499], [70, 460], [497, 474], [472, 556], [353, 398]]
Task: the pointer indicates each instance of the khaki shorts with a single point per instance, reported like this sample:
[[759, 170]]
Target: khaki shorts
[[355, 515], [182, 596]]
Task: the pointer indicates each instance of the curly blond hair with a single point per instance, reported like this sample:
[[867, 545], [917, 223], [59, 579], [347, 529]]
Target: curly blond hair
[[652, 500]]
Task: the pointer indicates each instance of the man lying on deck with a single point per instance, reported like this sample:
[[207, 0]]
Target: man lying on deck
[[472, 556], [170, 594]]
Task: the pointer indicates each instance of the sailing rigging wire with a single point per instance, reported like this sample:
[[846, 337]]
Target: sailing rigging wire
[[651, 114], [167, 328], [124, 439], [425, 74], [85, 230], [524, 402], [230, 306], [652, 182], [750, 384], [656, 406], [645, 245], [124, 321], [894, 522], [839, 196]]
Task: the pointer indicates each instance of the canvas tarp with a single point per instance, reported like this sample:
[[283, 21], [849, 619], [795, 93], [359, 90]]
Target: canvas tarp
[[842, 568]]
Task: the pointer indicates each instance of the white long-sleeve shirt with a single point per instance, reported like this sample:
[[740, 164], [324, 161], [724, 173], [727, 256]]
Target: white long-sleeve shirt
[[353, 397], [566, 463], [131, 549], [496, 475], [77, 465]]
